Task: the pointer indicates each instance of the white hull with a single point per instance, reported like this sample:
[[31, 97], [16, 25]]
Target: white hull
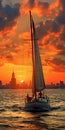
[[37, 106]]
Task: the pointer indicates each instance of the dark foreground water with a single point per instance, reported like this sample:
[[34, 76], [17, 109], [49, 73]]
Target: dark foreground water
[[12, 116]]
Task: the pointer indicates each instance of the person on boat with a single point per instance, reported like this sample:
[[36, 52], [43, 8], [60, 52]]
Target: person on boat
[[47, 98], [28, 98], [40, 94]]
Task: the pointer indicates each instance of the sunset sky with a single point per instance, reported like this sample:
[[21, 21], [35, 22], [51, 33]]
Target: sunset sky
[[15, 44]]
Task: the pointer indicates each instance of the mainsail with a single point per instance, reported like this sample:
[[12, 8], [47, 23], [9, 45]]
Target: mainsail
[[38, 79]]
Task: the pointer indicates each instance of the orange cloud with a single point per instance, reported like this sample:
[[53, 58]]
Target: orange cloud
[[25, 36], [8, 31], [36, 7], [8, 18], [41, 8]]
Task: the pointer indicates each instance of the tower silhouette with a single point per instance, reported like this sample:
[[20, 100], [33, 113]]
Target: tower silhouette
[[13, 81]]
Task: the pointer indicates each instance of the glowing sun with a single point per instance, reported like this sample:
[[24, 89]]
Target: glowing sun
[[22, 81]]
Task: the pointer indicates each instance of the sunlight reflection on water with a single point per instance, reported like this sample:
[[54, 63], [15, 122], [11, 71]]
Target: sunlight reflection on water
[[12, 116]]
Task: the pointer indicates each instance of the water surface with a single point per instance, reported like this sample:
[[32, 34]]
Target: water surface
[[13, 117]]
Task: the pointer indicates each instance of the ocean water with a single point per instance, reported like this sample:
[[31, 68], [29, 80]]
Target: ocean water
[[13, 117]]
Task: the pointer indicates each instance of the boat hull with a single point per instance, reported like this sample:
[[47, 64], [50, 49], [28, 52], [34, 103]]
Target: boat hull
[[37, 106]]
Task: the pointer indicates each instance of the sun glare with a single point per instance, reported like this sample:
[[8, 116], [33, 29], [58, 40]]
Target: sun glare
[[22, 81]]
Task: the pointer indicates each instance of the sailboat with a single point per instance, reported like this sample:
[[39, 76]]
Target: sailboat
[[38, 101]]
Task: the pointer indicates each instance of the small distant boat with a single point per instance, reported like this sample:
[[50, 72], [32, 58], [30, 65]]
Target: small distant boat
[[38, 102]]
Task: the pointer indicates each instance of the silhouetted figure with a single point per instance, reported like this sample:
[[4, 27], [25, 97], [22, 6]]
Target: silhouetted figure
[[28, 98], [40, 94]]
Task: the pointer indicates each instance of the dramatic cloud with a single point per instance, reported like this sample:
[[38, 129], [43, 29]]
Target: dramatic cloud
[[50, 29], [15, 40], [57, 64], [39, 8], [8, 16]]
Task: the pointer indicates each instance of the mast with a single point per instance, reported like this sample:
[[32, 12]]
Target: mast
[[33, 70]]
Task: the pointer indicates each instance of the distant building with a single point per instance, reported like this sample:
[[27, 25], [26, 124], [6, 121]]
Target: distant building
[[62, 84], [0, 84], [12, 83]]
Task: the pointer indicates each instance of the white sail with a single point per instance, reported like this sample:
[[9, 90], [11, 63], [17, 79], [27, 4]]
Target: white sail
[[38, 79]]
